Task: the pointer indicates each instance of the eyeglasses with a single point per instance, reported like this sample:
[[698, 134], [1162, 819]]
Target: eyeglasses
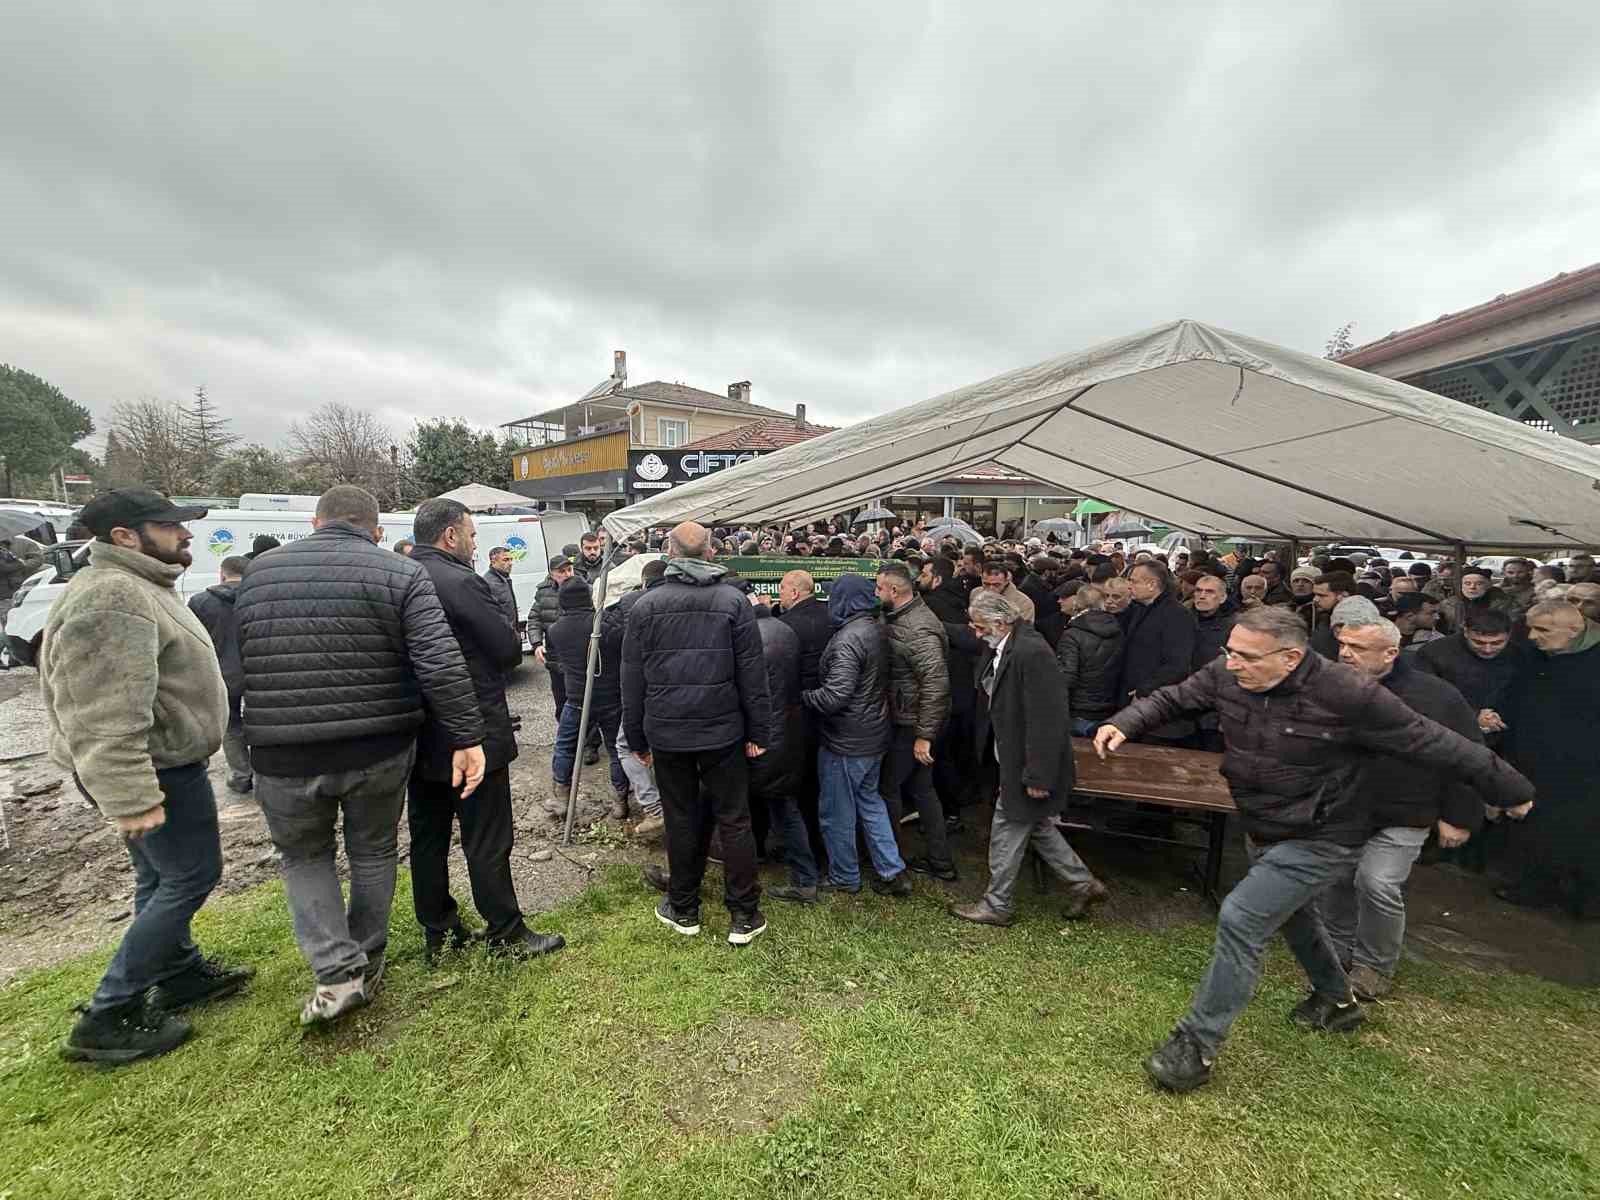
[[1230, 652]]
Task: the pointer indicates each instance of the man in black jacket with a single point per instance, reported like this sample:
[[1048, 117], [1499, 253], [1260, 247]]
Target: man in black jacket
[[567, 645], [1365, 908], [1479, 662], [775, 776], [1024, 699], [1159, 648], [546, 611], [346, 651], [1090, 657], [695, 706], [214, 607], [446, 542], [498, 577], [1214, 615], [954, 767], [802, 612], [591, 558], [1299, 730]]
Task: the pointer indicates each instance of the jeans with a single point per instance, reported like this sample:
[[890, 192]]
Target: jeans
[[1365, 908], [603, 723], [703, 791], [1278, 892], [640, 777], [432, 807], [849, 796], [235, 751], [901, 775], [301, 812], [558, 693], [1083, 728], [1008, 846], [175, 868]]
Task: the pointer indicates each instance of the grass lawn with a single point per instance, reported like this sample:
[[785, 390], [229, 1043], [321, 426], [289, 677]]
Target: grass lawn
[[864, 1048]]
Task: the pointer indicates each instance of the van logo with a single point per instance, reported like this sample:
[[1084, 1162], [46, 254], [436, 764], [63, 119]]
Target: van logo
[[221, 542], [517, 546]]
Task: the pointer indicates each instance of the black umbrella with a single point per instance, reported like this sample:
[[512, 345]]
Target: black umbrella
[[1125, 527], [16, 520], [867, 515]]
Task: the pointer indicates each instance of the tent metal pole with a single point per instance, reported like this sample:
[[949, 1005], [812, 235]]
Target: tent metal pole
[[1461, 564], [588, 699]]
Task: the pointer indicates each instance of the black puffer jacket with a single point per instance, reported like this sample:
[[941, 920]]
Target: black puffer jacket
[[1295, 753], [343, 644], [546, 610], [1158, 651], [489, 646], [215, 608], [853, 695], [919, 677], [1090, 654], [566, 644], [693, 677], [811, 623]]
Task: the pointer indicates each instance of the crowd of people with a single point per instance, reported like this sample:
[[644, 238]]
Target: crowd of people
[[1360, 711]]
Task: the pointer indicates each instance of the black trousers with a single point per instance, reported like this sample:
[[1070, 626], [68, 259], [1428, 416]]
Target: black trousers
[[809, 787], [955, 773], [431, 809], [902, 778], [703, 791]]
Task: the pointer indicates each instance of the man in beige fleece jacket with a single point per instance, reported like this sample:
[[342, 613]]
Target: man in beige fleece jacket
[[136, 706]]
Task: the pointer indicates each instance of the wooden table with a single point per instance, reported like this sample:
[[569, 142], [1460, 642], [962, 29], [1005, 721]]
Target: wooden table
[[1186, 783]]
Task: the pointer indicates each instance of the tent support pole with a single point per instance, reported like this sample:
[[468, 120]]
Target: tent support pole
[[1461, 565], [588, 699]]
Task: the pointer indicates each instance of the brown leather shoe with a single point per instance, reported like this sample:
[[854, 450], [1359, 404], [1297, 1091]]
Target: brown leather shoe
[[1367, 984], [1081, 897], [982, 913]]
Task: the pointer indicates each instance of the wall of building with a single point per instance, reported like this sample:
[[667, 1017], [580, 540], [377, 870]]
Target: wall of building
[[702, 423]]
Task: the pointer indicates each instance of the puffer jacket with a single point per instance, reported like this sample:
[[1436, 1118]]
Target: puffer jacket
[[919, 675], [780, 648], [852, 697], [214, 607], [1295, 753], [546, 610], [1090, 654], [693, 677], [344, 644]]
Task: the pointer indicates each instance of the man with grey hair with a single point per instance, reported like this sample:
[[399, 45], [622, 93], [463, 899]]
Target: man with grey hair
[[1022, 714], [1365, 907], [1298, 732]]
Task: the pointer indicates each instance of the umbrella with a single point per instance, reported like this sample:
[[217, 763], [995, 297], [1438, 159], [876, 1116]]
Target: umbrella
[[1090, 507], [1125, 527], [1055, 525], [867, 515], [956, 528]]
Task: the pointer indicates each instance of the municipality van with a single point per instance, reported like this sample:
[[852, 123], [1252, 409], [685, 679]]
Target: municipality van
[[533, 541]]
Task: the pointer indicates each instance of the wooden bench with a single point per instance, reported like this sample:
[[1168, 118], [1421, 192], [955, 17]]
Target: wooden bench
[[1184, 783]]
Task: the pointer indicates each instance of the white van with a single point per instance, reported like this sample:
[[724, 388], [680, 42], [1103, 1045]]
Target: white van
[[532, 540]]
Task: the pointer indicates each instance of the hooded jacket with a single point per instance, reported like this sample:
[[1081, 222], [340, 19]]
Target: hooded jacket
[[693, 677], [566, 646], [852, 696], [919, 688], [214, 607], [1090, 655]]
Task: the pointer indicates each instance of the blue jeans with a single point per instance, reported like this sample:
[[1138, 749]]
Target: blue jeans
[[850, 796], [1082, 728], [606, 721], [1278, 892], [797, 854], [1365, 908], [175, 868]]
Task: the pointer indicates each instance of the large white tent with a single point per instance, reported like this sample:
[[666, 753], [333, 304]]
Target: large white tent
[[1200, 429]]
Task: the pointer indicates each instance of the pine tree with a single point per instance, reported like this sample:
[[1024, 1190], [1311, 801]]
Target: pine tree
[[206, 438]]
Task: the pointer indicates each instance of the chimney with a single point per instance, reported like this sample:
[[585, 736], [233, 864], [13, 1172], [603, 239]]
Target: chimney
[[740, 392], [800, 416], [619, 367]]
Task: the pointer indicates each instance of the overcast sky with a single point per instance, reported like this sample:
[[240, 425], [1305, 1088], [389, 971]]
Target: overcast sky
[[854, 206]]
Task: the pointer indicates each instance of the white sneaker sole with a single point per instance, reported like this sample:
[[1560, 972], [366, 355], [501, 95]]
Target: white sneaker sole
[[311, 1015], [735, 938], [686, 930]]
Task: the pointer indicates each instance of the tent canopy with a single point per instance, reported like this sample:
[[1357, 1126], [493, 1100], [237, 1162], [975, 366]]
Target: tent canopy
[[481, 495], [1198, 429]]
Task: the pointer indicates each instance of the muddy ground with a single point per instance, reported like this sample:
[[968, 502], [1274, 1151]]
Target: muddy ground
[[66, 884]]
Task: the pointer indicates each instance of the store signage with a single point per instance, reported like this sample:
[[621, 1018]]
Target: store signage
[[605, 452], [651, 471]]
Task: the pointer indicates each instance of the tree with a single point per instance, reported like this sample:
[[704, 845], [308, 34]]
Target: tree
[[38, 424], [253, 468], [1341, 343], [207, 438], [445, 454], [153, 445], [345, 445]]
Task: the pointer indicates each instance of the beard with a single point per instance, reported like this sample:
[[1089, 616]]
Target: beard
[[179, 557]]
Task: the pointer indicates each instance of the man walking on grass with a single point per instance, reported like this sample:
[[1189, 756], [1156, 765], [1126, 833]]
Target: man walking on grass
[[345, 650], [136, 705]]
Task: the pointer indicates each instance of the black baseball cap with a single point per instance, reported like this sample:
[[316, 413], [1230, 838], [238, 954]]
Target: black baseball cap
[[560, 562], [126, 507]]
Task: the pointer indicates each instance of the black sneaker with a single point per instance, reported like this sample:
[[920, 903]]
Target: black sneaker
[[923, 867], [591, 755], [900, 885], [1321, 1012], [457, 937], [207, 980], [1177, 1064], [527, 944], [828, 887], [124, 1035], [687, 924], [747, 927], [793, 893]]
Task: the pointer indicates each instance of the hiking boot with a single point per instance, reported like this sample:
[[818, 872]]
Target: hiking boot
[[983, 913], [923, 867], [1081, 897], [651, 827], [1367, 984], [747, 927], [687, 924], [828, 887], [619, 806], [527, 944], [207, 980], [656, 877], [332, 1000], [1178, 1065], [1324, 1013], [123, 1035], [457, 937], [555, 805], [900, 885], [793, 893]]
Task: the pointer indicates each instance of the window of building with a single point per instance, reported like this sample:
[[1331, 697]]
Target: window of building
[[670, 433]]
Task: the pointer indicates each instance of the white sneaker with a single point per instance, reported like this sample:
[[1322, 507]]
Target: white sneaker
[[332, 1000]]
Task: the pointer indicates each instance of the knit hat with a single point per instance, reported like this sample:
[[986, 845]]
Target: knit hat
[[1354, 608], [1484, 571], [1310, 573], [575, 595]]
